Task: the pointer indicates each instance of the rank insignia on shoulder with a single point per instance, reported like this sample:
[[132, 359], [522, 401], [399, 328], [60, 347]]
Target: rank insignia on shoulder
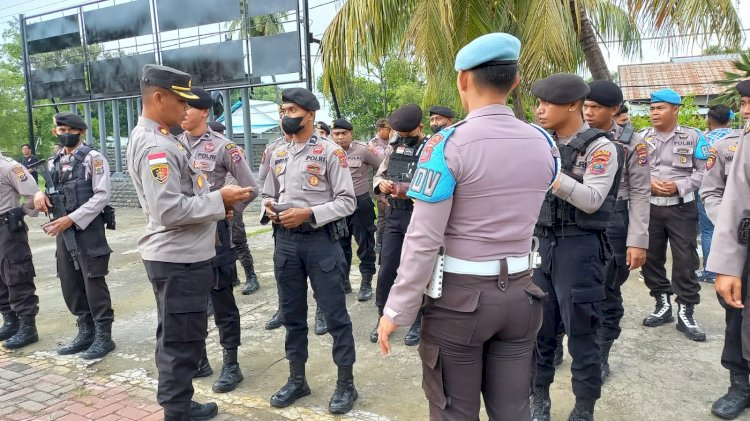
[[733, 148], [281, 153], [98, 166], [230, 145], [19, 172], [163, 131]]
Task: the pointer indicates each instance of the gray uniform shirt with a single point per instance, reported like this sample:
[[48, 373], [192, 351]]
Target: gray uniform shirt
[[175, 197], [514, 191], [598, 167], [265, 160], [717, 170], [727, 255], [216, 157], [635, 187], [312, 175], [380, 145], [16, 182], [673, 157], [362, 159], [96, 169]]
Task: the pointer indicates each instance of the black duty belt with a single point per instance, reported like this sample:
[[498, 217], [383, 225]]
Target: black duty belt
[[562, 231], [305, 228], [4, 219], [622, 205], [405, 204], [364, 196]]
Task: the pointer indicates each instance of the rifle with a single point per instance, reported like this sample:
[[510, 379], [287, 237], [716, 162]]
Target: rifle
[[58, 207]]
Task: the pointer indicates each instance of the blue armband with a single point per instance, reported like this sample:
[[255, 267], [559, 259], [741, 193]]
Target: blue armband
[[433, 181], [553, 149], [702, 147]]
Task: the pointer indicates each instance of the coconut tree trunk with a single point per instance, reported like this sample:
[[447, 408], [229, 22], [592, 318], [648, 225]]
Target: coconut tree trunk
[[587, 39], [518, 105]]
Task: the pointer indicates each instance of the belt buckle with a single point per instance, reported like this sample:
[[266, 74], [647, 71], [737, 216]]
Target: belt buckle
[[661, 201]]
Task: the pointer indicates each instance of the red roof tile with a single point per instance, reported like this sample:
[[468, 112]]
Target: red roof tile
[[687, 78]]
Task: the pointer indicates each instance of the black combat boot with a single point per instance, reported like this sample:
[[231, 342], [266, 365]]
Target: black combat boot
[[686, 323], [26, 334], [559, 351], [541, 404], [251, 285], [345, 394], [175, 416], [103, 343], [374, 333], [412, 336], [321, 327], [231, 375], [275, 321], [202, 411], [736, 400], [296, 387], [365, 288], [204, 367], [82, 341], [583, 411], [662, 312], [235, 282], [604, 346], [10, 326], [347, 285]]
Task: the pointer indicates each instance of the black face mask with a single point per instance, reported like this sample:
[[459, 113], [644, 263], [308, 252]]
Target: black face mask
[[69, 139], [292, 125], [410, 140], [436, 129]]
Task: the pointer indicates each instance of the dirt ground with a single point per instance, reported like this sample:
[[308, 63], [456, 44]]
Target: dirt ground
[[657, 374]]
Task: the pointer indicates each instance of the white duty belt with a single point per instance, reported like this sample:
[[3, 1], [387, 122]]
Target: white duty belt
[[672, 200], [488, 268]]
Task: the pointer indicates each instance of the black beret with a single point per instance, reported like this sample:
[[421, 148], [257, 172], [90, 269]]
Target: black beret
[[216, 126], [323, 126], [443, 111], [301, 97], [560, 88], [406, 118], [168, 78], [605, 93], [342, 124], [203, 99], [71, 120], [743, 88]]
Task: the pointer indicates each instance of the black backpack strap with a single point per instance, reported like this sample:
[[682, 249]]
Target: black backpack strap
[[81, 153], [627, 133], [582, 140], [620, 168]]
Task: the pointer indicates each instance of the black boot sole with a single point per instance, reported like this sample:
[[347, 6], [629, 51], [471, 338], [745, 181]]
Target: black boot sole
[[299, 395], [362, 298], [205, 373], [227, 388], [205, 417], [92, 356], [72, 351], [727, 415], [273, 326], [692, 337], [660, 322], [250, 291], [321, 332], [346, 408], [33, 339]]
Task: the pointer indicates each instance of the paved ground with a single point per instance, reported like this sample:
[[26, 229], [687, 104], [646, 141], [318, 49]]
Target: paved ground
[[657, 374]]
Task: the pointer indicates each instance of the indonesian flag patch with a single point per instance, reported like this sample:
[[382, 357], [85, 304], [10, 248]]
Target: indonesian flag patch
[[159, 167]]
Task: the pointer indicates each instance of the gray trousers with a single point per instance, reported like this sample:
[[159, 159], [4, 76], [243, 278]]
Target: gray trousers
[[479, 339]]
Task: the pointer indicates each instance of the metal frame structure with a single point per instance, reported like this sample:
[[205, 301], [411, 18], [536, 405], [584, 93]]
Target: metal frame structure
[[305, 74]]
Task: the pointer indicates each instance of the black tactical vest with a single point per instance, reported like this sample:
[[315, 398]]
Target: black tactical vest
[[627, 133], [72, 181], [556, 212], [403, 160]]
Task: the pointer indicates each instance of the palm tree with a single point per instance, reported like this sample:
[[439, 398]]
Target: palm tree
[[557, 35], [730, 97]]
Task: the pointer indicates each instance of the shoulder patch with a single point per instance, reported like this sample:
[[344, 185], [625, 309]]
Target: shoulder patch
[[711, 161], [98, 166], [373, 150], [159, 167], [18, 170], [641, 153], [433, 181], [343, 160]]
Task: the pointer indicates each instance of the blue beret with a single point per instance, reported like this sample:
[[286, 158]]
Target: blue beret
[[489, 49], [666, 95]]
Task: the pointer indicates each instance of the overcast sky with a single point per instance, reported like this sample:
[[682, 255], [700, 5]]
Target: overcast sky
[[322, 11]]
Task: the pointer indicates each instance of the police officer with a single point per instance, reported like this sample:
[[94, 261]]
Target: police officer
[[380, 143], [82, 175], [712, 190], [393, 178], [572, 242], [324, 130], [275, 321], [479, 336], [217, 157], [19, 303], [440, 118], [628, 229], [178, 245], [677, 156], [309, 193], [362, 159]]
